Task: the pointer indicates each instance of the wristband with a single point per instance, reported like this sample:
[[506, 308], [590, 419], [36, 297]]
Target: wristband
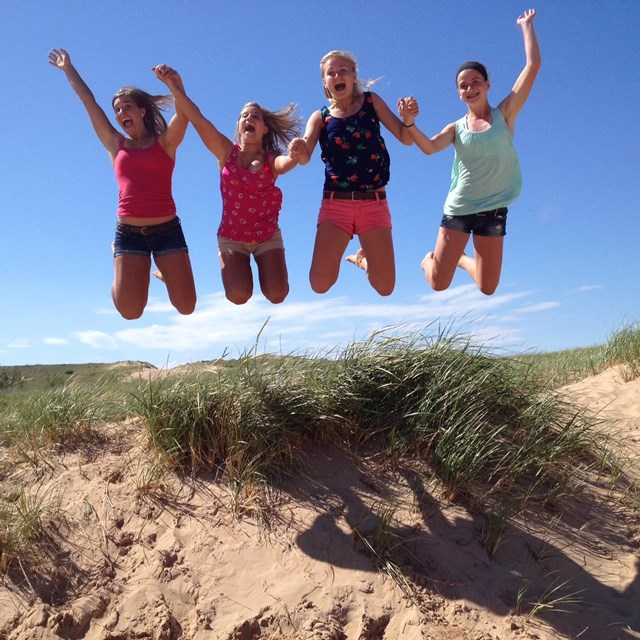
[[407, 126]]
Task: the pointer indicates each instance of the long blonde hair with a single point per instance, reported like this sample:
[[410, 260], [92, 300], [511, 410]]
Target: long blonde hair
[[283, 126], [359, 87]]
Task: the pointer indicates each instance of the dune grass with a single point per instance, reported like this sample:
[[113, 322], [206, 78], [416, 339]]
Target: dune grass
[[490, 428]]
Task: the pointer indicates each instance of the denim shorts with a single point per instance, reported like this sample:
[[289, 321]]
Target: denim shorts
[[492, 223], [159, 239], [249, 248]]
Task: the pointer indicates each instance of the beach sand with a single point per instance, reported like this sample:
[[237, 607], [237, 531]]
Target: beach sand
[[136, 553]]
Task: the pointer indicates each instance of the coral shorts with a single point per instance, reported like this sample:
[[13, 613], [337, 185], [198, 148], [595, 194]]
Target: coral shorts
[[355, 216]]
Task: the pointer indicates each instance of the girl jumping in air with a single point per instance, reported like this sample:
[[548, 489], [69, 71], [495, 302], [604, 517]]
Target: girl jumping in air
[[143, 160], [251, 202], [356, 174], [486, 173]]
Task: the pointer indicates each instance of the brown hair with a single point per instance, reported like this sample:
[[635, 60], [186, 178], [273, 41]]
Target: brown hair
[[153, 119]]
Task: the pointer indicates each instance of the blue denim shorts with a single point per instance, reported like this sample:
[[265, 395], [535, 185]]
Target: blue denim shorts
[[158, 239], [492, 223]]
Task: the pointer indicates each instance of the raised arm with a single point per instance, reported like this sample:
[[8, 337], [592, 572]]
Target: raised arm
[[514, 102], [106, 132], [215, 141], [177, 126], [408, 109]]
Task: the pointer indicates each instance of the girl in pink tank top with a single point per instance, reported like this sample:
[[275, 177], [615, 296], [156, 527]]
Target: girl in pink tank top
[[143, 160], [249, 167]]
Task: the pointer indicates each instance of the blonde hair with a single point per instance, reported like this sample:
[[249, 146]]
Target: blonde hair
[[359, 87], [283, 126], [153, 119]]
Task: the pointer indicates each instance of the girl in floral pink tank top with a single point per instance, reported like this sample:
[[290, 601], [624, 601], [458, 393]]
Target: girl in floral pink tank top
[[249, 167]]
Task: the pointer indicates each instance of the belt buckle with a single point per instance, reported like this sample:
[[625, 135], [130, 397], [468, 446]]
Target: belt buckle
[[143, 231]]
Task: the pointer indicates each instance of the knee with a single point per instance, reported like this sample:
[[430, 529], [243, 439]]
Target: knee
[[276, 296], [320, 284], [488, 290], [187, 309], [384, 289], [238, 297], [130, 313]]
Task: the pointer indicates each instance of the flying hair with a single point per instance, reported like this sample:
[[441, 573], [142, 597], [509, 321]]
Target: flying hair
[[153, 120]]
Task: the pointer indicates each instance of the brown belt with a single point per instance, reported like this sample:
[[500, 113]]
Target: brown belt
[[354, 195], [151, 229]]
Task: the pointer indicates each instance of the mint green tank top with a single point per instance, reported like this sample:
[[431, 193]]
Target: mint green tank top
[[486, 171]]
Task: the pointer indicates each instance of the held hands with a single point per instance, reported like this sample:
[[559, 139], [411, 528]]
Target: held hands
[[297, 150], [527, 17], [408, 109], [60, 58]]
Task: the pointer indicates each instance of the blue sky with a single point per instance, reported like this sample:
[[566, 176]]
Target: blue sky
[[571, 271]]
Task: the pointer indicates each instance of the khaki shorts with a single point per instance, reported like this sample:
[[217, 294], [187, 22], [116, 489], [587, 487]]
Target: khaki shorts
[[250, 248]]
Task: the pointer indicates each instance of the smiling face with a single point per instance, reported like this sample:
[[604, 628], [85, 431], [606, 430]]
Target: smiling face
[[129, 116], [338, 77], [472, 86]]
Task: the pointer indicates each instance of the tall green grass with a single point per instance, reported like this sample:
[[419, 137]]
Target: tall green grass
[[491, 428]]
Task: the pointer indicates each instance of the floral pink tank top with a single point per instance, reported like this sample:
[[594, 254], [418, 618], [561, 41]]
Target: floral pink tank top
[[251, 202]]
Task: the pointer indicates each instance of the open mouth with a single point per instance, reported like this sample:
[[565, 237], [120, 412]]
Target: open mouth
[[127, 123], [249, 128], [341, 86]]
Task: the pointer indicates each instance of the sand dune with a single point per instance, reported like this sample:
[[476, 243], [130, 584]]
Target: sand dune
[[175, 562]]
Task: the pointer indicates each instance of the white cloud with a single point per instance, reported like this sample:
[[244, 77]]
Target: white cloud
[[55, 341], [590, 287], [318, 325], [97, 339], [535, 308], [20, 343]]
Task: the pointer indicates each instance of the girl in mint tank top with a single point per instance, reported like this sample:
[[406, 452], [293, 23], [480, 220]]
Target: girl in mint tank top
[[485, 177]]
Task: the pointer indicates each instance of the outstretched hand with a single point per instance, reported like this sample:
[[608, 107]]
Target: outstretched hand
[[60, 58], [166, 74], [527, 17]]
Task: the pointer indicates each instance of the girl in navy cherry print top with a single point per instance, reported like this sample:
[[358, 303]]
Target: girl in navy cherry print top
[[356, 173]]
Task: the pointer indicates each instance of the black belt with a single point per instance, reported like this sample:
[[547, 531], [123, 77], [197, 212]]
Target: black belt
[[354, 195], [151, 229]]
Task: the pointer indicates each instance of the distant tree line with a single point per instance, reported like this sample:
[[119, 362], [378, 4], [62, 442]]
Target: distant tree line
[[10, 379]]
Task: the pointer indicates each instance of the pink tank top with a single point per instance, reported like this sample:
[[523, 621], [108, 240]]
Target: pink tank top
[[144, 181], [251, 202]]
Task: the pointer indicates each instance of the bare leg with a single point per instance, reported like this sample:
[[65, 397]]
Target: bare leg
[[485, 268], [377, 259], [440, 264], [272, 272], [237, 278], [330, 245], [175, 271], [130, 290]]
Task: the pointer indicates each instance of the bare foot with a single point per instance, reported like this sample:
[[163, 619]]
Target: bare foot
[[428, 256], [158, 275], [359, 259]]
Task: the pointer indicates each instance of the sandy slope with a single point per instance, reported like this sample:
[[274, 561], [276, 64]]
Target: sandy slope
[[175, 563]]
